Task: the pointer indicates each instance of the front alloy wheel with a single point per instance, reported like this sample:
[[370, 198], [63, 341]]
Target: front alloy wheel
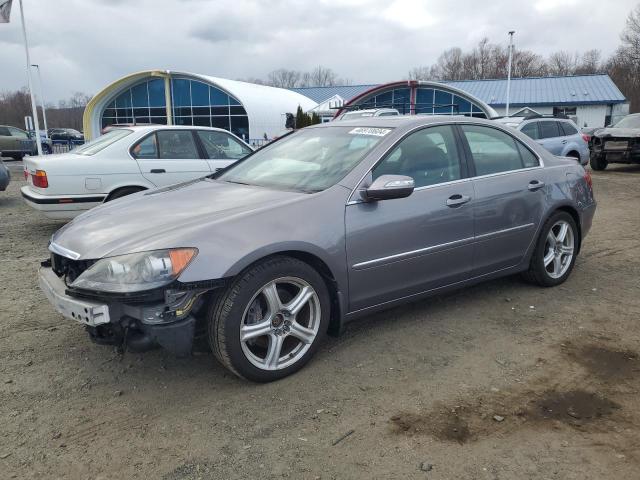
[[270, 320], [280, 323]]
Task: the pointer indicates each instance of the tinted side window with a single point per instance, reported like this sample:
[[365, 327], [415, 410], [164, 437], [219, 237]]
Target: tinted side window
[[429, 156], [567, 128], [146, 148], [531, 130], [16, 132], [529, 160], [177, 144], [221, 145], [549, 129], [493, 151], [4, 131]]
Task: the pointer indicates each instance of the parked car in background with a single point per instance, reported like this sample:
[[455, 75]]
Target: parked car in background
[[5, 177], [371, 112], [65, 134], [588, 132], [124, 161], [559, 136], [327, 224], [617, 144], [15, 143]]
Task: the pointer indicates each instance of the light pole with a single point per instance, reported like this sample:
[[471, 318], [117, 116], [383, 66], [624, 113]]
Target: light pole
[[44, 113], [506, 112], [33, 102]]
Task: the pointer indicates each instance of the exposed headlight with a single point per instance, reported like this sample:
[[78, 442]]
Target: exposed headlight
[[136, 272]]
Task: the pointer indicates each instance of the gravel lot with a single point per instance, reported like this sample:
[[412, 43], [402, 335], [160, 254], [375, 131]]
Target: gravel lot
[[500, 381]]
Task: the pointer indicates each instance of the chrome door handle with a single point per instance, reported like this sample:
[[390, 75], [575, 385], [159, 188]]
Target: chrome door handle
[[456, 200], [535, 185]]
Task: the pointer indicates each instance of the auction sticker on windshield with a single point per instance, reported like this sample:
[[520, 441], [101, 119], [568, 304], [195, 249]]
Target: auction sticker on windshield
[[376, 132]]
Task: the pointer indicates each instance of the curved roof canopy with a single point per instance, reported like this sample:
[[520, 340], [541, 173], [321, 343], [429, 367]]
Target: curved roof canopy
[[265, 106]]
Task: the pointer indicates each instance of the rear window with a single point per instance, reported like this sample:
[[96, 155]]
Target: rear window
[[102, 142]]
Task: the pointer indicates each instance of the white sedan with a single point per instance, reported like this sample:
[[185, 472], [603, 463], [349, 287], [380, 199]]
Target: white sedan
[[125, 161]]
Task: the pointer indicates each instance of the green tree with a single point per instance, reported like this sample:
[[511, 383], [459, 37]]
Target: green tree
[[315, 119], [302, 119]]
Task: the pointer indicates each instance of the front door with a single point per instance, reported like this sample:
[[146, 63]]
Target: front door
[[402, 247], [509, 197], [166, 157]]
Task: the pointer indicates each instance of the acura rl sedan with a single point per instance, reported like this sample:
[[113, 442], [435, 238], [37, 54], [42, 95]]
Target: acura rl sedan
[[325, 225]]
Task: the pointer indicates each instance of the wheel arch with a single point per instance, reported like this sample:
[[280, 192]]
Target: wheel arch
[[316, 262], [137, 187]]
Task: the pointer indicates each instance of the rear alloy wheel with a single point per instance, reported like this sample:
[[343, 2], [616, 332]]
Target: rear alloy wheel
[[269, 323], [555, 252]]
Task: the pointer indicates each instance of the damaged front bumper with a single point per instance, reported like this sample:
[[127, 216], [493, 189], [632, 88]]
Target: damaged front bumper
[[168, 319]]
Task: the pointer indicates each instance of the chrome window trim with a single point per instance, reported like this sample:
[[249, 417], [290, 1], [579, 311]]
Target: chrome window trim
[[65, 252], [351, 201]]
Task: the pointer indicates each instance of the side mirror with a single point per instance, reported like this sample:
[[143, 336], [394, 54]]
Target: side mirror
[[387, 187]]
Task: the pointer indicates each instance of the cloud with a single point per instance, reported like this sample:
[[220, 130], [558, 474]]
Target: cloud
[[84, 45]]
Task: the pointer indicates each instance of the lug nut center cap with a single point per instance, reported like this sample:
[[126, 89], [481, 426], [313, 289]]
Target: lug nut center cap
[[278, 320]]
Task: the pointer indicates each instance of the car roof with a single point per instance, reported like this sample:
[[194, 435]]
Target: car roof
[[149, 127], [398, 121]]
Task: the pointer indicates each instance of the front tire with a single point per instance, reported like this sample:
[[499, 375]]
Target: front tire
[[555, 253], [598, 163], [270, 320]]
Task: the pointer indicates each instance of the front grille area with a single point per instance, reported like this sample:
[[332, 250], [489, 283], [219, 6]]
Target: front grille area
[[68, 268]]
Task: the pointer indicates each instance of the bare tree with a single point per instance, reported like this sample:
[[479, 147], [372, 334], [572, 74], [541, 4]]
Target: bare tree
[[284, 78], [562, 63], [319, 77], [590, 62]]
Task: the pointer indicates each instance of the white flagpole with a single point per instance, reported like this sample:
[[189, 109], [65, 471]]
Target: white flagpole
[[33, 101]]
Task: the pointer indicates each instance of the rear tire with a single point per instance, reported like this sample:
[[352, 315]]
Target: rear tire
[[123, 192], [555, 253], [270, 321], [598, 163], [17, 156]]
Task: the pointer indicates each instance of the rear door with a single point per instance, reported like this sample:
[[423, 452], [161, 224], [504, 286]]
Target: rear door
[[169, 156], [550, 136], [510, 190], [221, 148]]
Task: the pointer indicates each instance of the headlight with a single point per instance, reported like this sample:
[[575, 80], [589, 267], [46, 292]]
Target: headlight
[[136, 272]]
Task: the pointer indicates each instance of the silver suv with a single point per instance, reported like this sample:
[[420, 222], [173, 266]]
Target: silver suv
[[560, 136]]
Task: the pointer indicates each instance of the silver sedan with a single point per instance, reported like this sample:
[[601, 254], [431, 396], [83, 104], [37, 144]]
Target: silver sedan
[[323, 226]]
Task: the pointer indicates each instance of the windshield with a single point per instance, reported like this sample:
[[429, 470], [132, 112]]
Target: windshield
[[308, 160], [102, 142], [631, 121]]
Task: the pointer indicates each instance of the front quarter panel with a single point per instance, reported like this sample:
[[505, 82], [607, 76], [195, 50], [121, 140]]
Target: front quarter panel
[[313, 226]]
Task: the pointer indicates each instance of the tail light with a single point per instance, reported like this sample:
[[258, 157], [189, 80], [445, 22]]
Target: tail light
[[40, 179], [587, 178], [586, 137]]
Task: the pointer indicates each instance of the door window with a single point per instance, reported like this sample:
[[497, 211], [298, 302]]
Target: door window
[[567, 128], [429, 156], [4, 132], [494, 151], [176, 144], [220, 145], [549, 129], [530, 130], [146, 148]]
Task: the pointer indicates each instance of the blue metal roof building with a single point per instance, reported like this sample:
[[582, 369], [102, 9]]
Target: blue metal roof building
[[591, 100]]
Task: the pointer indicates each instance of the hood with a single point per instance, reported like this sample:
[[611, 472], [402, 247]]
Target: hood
[[169, 217], [617, 132]]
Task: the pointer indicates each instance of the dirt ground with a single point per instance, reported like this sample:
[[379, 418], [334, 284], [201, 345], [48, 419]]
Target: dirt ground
[[500, 381]]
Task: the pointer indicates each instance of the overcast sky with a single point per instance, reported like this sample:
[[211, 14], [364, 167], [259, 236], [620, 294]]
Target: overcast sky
[[81, 45]]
